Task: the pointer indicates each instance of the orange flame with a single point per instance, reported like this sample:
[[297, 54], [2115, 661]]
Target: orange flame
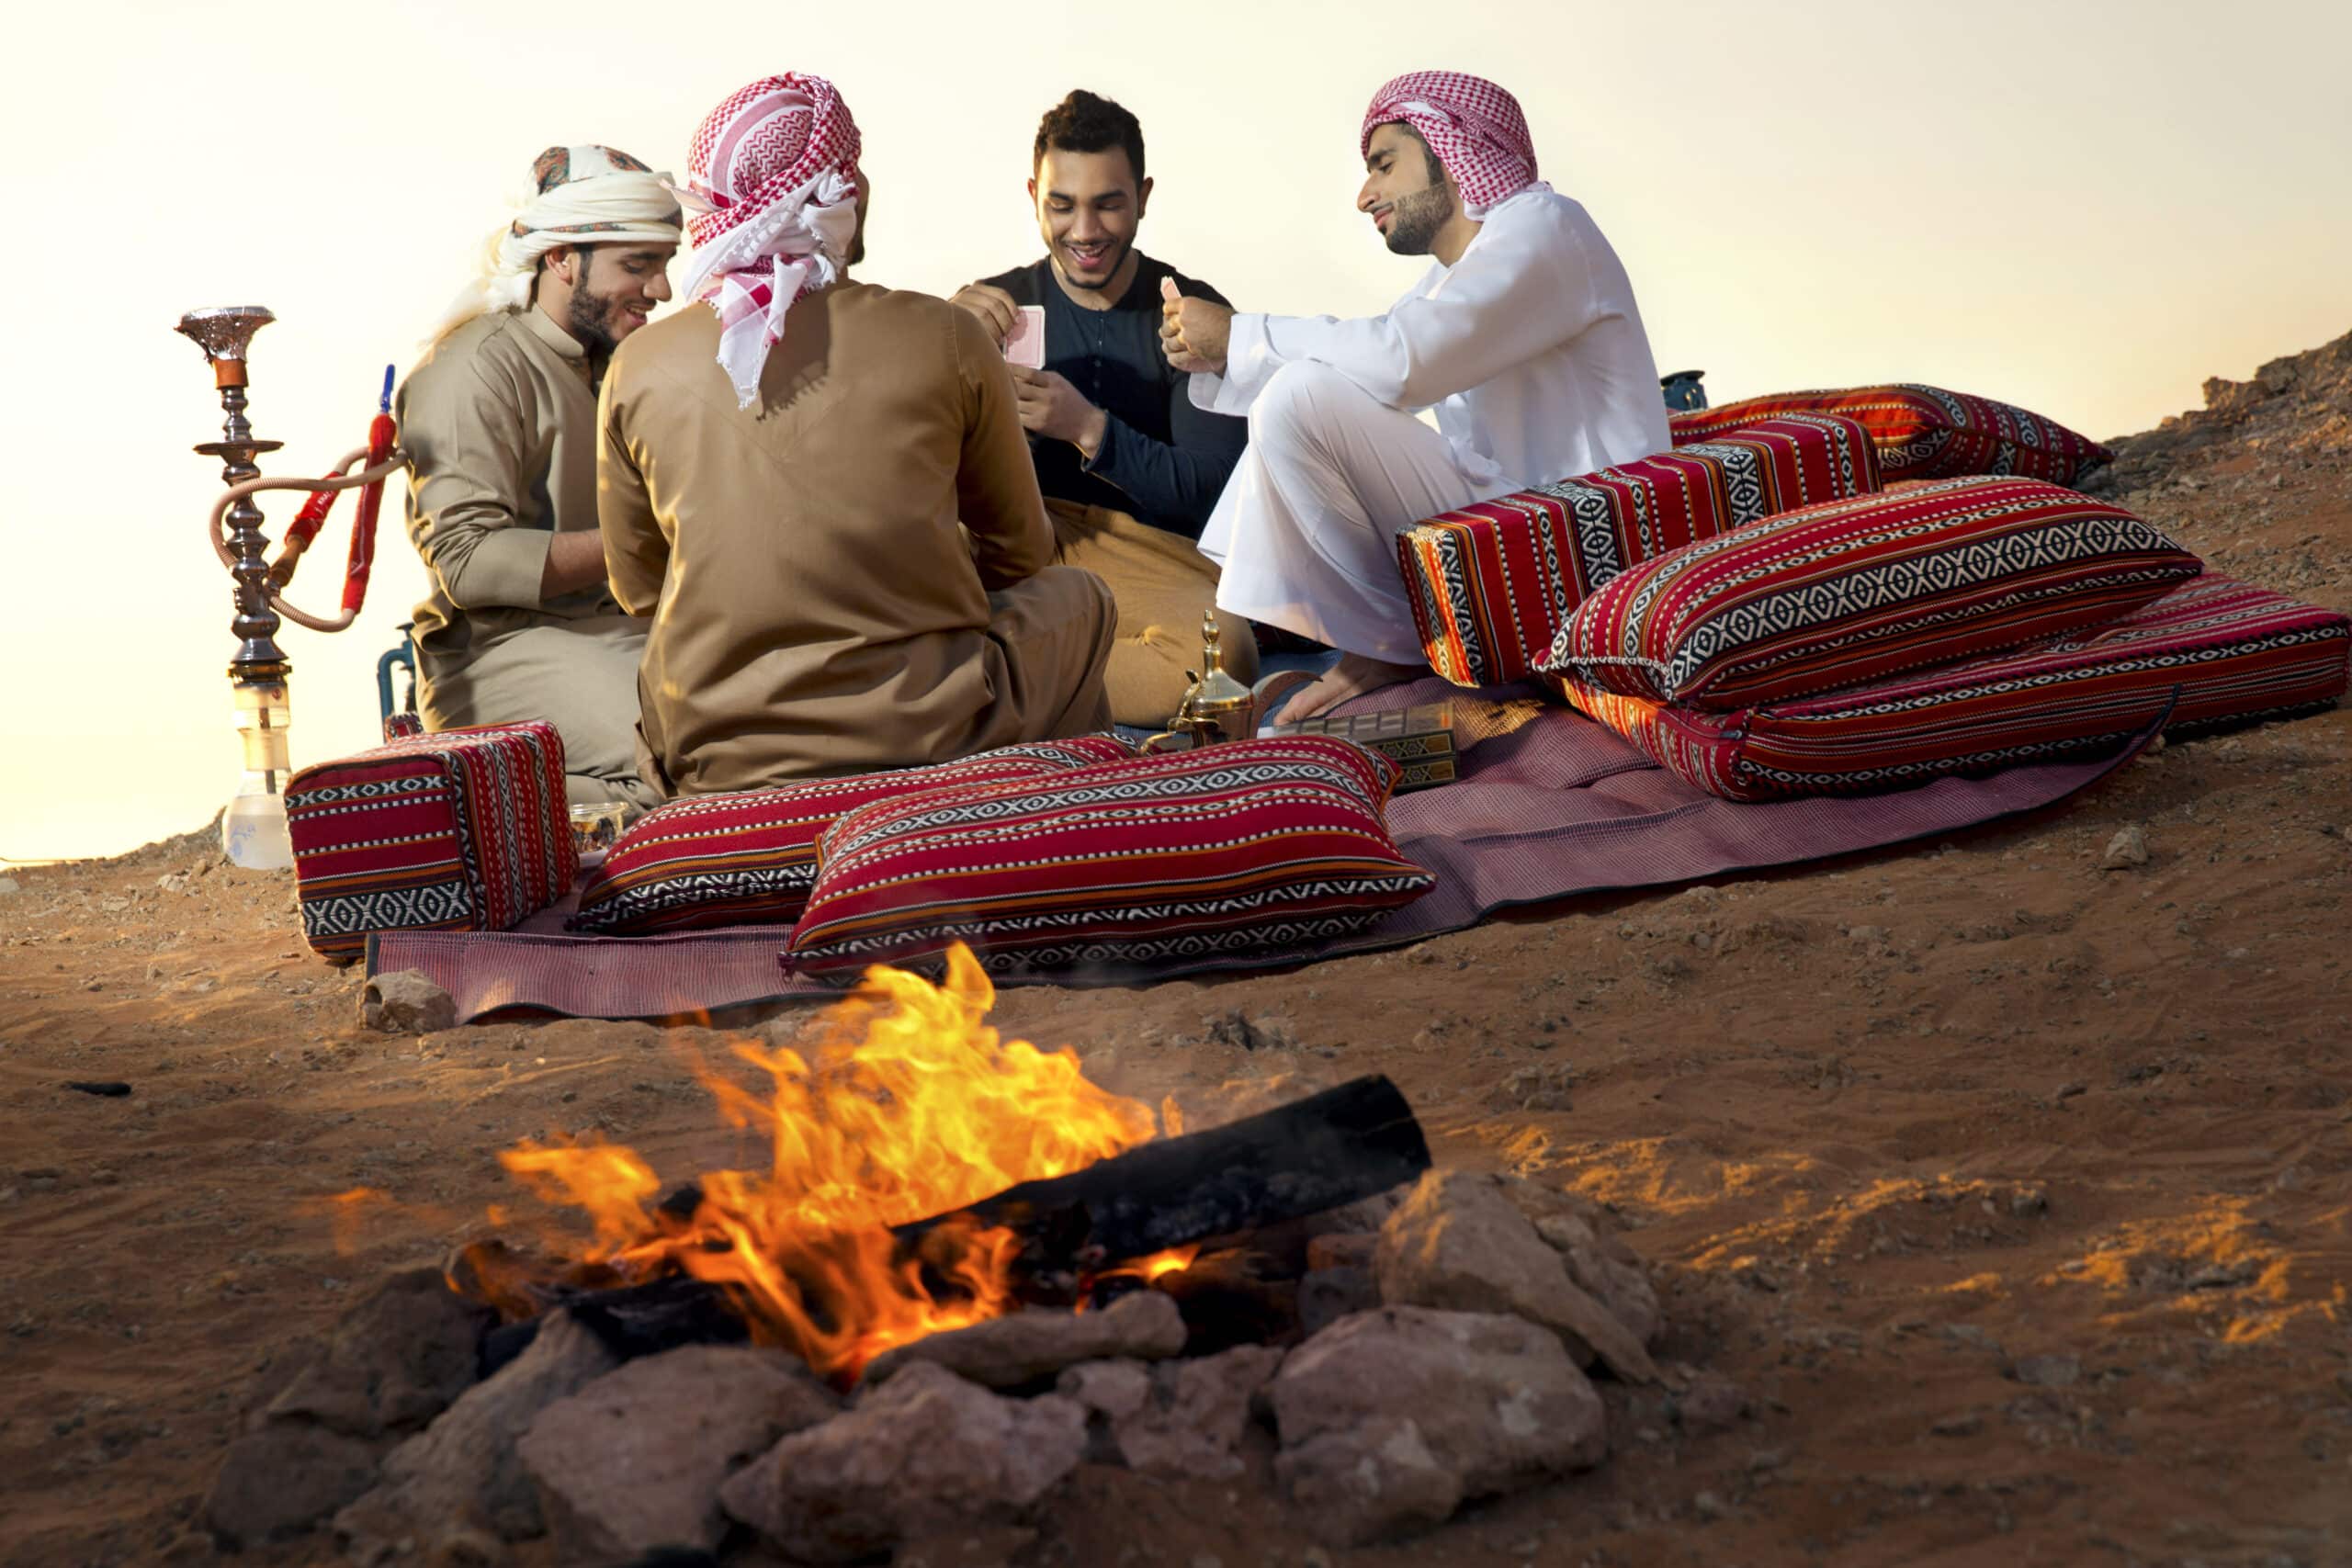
[[912, 1108]]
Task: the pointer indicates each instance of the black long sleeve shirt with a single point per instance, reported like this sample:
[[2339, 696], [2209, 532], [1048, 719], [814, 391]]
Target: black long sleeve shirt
[[1163, 460]]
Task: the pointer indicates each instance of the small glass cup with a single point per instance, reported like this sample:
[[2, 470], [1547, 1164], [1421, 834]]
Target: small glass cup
[[594, 828]]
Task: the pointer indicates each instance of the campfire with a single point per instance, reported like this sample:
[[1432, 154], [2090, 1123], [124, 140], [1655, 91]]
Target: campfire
[[925, 1175], [908, 1109], [960, 1270]]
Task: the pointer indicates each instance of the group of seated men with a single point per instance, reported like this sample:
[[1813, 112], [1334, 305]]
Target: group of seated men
[[808, 526]]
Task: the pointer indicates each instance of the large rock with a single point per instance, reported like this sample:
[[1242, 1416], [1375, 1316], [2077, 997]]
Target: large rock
[[635, 1460], [1110, 1391], [396, 1359], [1037, 1343], [405, 1002], [462, 1476], [1176, 1418], [1393, 1418], [1327, 1295], [1458, 1244], [1585, 1236], [926, 1454], [284, 1477], [329, 1412]]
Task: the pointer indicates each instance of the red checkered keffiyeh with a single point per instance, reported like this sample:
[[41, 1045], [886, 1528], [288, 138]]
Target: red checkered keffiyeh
[[775, 169], [1473, 126]]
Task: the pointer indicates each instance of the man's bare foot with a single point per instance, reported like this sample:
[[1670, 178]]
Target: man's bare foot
[[1352, 676]]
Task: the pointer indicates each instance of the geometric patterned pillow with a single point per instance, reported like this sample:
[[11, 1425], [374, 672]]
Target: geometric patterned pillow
[[464, 830], [2215, 652], [1925, 432], [1491, 583], [749, 857], [1858, 590], [1224, 849]]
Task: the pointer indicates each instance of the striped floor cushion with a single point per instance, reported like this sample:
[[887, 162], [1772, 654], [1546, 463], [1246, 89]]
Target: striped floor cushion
[[1492, 584], [2220, 652], [465, 830], [1859, 591], [749, 857], [1226, 848], [1924, 433]]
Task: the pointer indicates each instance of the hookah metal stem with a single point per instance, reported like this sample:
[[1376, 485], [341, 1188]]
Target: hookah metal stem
[[255, 624]]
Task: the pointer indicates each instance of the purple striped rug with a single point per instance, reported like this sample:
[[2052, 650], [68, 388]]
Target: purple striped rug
[[1549, 806]]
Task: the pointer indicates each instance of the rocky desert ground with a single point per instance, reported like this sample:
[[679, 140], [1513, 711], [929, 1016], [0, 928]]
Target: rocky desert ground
[[2011, 1187]]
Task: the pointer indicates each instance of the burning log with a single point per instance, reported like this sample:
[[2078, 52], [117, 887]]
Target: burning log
[[1348, 1142]]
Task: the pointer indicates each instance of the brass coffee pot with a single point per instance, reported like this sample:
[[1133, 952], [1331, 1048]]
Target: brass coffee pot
[[1218, 707]]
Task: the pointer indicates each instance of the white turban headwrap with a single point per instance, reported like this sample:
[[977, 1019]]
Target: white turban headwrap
[[586, 196]]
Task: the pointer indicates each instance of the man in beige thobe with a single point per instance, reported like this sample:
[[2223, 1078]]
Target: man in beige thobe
[[784, 471], [500, 423]]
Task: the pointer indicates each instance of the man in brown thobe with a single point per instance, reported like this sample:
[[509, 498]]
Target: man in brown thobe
[[783, 472], [500, 424]]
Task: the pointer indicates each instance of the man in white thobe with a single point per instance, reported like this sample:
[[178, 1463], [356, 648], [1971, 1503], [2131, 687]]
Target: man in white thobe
[[1524, 337]]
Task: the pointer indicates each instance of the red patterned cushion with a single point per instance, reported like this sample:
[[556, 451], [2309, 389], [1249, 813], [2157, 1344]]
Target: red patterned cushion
[[2220, 652], [466, 829], [1493, 582], [1856, 591], [1924, 433], [749, 857], [1230, 848]]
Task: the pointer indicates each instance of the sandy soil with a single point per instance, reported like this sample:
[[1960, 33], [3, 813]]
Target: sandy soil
[[2018, 1194]]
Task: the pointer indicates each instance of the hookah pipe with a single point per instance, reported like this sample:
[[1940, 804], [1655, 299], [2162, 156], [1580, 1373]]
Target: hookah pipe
[[383, 457]]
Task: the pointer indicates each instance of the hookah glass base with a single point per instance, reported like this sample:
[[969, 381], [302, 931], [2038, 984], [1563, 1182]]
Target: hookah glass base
[[253, 828]]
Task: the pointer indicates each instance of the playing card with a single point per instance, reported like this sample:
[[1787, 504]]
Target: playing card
[[1026, 346]]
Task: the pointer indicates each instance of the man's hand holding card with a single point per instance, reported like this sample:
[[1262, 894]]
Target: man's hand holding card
[[1025, 345]]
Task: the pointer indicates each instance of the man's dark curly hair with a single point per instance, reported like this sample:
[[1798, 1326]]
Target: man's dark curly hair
[[1084, 123]]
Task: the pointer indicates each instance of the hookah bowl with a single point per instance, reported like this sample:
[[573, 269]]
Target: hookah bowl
[[253, 828]]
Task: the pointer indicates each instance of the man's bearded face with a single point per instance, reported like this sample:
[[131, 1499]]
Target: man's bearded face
[[1404, 191], [1089, 207], [614, 290]]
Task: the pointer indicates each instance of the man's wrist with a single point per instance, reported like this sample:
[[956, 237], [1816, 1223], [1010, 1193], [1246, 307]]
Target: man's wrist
[[1093, 432]]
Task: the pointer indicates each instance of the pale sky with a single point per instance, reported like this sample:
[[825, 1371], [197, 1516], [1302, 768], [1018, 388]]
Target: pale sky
[[2082, 207]]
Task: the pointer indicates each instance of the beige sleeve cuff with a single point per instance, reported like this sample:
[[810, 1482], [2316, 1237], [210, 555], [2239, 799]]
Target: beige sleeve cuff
[[505, 567]]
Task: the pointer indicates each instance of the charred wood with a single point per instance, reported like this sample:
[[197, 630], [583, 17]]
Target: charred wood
[[632, 1321], [1348, 1142], [1233, 1298]]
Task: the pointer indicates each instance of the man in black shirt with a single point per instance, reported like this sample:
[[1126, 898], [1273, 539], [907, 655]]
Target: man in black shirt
[[1130, 469]]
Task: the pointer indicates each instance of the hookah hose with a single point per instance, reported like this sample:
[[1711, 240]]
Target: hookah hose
[[381, 437], [382, 457]]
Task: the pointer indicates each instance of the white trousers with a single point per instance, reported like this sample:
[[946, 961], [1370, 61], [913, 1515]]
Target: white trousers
[[1306, 532]]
